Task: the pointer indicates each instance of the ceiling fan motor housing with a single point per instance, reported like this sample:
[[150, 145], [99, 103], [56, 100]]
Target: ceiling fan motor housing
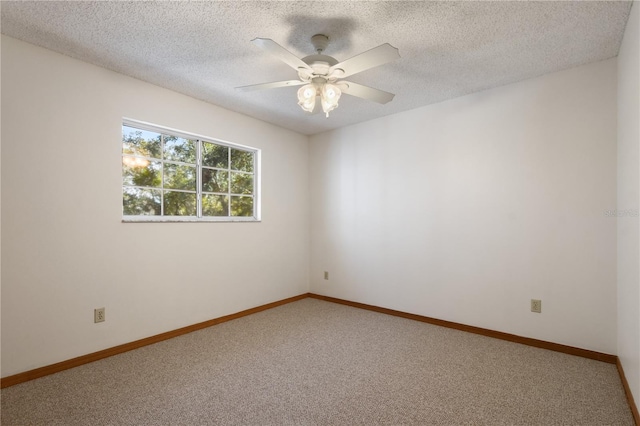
[[320, 65]]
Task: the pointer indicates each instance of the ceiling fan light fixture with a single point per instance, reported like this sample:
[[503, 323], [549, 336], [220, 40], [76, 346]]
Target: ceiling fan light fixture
[[321, 75], [329, 96], [307, 97]]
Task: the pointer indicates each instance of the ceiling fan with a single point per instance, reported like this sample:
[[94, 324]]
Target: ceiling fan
[[321, 75]]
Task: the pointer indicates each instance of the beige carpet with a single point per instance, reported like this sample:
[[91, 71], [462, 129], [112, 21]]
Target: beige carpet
[[318, 363]]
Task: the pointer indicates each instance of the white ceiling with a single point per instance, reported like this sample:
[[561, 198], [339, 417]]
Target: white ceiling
[[203, 49]]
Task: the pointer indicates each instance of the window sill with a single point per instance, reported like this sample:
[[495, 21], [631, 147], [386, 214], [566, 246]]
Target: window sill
[[137, 219]]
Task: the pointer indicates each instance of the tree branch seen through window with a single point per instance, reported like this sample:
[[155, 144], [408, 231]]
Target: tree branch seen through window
[[165, 175]]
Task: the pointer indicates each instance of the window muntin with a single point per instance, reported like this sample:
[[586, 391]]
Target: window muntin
[[173, 176]]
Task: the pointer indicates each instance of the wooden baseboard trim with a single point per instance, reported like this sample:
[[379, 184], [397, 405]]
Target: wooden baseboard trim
[[627, 391], [611, 359], [95, 356], [599, 356]]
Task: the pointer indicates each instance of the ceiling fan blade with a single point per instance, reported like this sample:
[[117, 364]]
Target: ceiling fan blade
[[281, 53], [369, 59], [273, 85], [365, 92]]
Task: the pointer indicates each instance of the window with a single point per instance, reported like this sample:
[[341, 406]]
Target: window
[[174, 176]]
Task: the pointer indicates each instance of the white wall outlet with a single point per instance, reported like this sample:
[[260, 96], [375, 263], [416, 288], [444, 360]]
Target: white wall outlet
[[326, 275], [98, 315], [536, 306]]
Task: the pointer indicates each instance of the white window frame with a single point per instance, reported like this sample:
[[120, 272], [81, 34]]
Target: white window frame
[[142, 125]]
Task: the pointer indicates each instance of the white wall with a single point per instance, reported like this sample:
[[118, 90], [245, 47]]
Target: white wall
[[462, 211], [0, 217], [64, 248], [629, 203], [467, 209]]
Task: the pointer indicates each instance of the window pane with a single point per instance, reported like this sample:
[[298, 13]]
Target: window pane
[[179, 177], [141, 172], [215, 180], [179, 203], [241, 206], [179, 149], [166, 174], [241, 183], [241, 160], [141, 202], [215, 205], [215, 155], [140, 142]]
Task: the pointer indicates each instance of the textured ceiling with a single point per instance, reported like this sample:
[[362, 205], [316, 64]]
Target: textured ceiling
[[203, 49]]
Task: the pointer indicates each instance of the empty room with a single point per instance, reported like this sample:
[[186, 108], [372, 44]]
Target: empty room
[[320, 213]]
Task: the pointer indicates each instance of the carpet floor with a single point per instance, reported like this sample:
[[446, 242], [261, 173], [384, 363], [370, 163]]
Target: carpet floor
[[312, 362]]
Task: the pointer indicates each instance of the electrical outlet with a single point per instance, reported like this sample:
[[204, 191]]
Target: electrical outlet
[[536, 306], [98, 315], [326, 275]]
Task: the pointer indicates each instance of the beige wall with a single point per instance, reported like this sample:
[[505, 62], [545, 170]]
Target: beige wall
[[628, 202], [467, 209], [64, 248]]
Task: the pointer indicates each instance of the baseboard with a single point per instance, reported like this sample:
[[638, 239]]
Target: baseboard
[[95, 356], [627, 391], [611, 359], [599, 356]]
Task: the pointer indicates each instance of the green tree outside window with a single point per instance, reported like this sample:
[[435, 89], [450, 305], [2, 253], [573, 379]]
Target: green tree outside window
[[166, 175]]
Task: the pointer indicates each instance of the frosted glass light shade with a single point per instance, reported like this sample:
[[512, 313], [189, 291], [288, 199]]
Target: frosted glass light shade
[[307, 97], [329, 96]]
